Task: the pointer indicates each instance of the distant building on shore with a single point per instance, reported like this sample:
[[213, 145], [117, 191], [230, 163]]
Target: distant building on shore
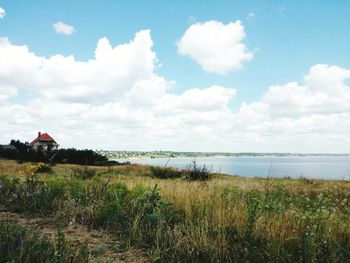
[[44, 142]]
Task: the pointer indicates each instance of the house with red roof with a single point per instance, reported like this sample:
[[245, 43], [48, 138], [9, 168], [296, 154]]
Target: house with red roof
[[44, 142]]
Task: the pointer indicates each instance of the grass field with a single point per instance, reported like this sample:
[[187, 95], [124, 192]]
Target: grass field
[[224, 219]]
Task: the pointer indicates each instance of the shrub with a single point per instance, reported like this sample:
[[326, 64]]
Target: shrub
[[197, 173], [20, 151], [165, 172], [83, 157], [43, 168], [192, 173], [8, 152]]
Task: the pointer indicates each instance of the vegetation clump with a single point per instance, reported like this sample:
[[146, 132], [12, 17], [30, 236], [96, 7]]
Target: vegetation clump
[[198, 173], [225, 219], [194, 172], [165, 172], [83, 173], [21, 152], [23, 244]]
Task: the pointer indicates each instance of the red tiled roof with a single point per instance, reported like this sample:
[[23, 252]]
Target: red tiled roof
[[43, 137]]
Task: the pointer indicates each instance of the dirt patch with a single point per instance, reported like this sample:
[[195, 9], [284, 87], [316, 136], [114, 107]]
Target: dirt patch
[[76, 235]]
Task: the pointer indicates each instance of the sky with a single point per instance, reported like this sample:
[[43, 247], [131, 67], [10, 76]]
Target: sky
[[232, 76]]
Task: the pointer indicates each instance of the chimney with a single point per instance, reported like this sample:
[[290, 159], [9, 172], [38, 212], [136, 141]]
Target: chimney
[[39, 134]]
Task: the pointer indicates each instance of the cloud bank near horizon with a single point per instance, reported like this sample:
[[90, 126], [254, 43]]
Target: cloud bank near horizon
[[117, 100]]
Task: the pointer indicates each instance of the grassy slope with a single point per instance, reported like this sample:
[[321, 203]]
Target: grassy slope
[[102, 246], [230, 218]]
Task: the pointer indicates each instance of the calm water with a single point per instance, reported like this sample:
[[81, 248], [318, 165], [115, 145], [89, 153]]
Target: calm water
[[321, 167]]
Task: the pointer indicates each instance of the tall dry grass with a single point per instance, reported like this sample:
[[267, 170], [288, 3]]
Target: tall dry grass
[[226, 219]]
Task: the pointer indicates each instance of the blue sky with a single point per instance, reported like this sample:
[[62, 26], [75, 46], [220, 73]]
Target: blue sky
[[286, 39], [288, 36]]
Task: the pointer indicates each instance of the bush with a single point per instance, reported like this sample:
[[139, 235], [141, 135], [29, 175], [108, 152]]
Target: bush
[[165, 172], [73, 156], [197, 173], [21, 152], [192, 173], [44, 168], [8, 152]]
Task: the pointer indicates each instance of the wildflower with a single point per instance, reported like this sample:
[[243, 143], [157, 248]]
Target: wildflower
[[19, 241]]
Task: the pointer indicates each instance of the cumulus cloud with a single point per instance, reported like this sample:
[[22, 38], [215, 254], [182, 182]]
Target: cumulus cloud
[[313, 116], [2, 12], [117, 100], [202, 100], [58, 77], [123, 124], [117, 92], [217, 47], [63, 28], [7, 92], [324, 92]]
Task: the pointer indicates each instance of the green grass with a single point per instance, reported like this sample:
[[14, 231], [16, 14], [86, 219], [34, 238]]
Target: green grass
[[23, 244], [225, 219]]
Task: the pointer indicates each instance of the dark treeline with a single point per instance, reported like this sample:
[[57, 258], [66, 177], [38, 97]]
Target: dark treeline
[[19, 151]]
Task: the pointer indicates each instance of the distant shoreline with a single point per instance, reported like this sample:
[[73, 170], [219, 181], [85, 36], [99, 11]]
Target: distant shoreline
[[327, 167], [170, 154]]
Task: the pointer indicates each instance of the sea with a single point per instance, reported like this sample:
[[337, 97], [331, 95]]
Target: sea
[[328, 167]]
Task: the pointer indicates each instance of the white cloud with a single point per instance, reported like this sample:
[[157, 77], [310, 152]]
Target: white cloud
[[2, 12], [217, 47], [63, 28], [324, 92], [201, 100], [7, 92], [118, 101], [310, 117], [147, 92], [135, 105], [111, 72], [250, 15]]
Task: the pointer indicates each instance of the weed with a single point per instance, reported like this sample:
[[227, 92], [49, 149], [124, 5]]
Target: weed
[[84, 173]]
